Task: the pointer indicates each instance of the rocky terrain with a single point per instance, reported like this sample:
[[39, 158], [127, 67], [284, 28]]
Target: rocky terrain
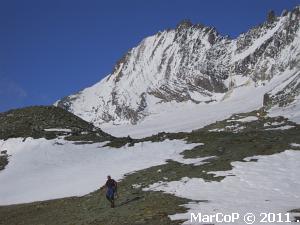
[[3, 159]]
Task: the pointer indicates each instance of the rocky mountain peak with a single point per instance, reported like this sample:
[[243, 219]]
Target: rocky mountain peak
[[189, 63], [184, 24], [271, 17]]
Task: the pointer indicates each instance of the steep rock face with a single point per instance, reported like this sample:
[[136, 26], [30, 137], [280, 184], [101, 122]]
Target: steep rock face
[[285, 93], [190, 63]]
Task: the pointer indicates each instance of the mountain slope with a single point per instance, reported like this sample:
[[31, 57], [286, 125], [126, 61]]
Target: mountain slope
[[196, 68]]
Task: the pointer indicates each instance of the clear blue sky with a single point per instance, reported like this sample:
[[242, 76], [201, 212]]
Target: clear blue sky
[[53, 48]]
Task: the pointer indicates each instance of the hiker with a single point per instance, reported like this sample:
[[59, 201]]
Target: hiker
[[111, 190]]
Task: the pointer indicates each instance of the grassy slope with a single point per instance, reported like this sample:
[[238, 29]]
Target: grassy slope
[[31, 122], [137, 207]]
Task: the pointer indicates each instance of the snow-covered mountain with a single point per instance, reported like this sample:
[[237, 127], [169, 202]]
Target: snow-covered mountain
[[191, 76]]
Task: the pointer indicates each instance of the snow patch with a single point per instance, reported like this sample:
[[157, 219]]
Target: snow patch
[[286, 127], [295, 145], [245, 119], [58, 130], [269, 185], [269, 124], [136, 186]]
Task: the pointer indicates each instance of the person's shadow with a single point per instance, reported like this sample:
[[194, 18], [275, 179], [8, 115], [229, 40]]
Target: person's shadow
[[127, 201]]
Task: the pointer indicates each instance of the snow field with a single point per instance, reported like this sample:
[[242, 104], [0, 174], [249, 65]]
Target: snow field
[[40, 169], [270, 185]]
